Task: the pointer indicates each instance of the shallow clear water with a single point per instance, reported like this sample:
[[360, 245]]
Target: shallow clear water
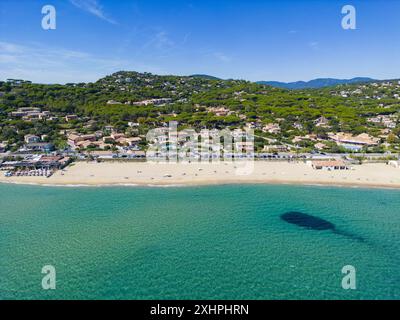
[[220, 242]]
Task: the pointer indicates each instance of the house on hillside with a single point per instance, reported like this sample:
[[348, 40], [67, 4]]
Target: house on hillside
[[29, 113], [220, 111], [76, 140], [3, 147], [30, 138], [272, 128], [39, 147], [322, 122], [71, 117], [320, 146]]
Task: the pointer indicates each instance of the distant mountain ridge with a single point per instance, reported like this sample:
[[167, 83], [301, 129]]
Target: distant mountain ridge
[[204, 76], [312, 84], [316, 83]]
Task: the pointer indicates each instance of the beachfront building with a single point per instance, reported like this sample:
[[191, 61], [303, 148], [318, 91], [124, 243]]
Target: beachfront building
[[76, 140], [73, 139], [96, 141], [353, 143], [38, 147], [53, 162], [129, 142], [34, 165], [85, 144], [122, 140], [329, 165], [275, 148], [245, 146]]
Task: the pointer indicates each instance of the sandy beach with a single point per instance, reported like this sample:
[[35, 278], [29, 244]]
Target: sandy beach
[[145, 174]]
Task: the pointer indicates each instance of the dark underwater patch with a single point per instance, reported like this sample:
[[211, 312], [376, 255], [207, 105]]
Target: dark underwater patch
[[308, 221]]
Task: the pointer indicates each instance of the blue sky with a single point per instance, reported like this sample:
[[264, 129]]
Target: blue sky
[[284, 40]]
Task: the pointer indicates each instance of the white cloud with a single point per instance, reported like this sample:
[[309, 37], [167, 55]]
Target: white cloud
[[94, 8], [9, 47], [7, 58], [222, 57], [162, 40], [314, 45], [19, 53], [159, 41], [43, 64]]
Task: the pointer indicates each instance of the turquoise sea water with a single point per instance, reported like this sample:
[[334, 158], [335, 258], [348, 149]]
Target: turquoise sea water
[[220, 242]]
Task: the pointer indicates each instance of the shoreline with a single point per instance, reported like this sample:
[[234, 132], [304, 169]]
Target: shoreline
[[119, 174], [207, 184]]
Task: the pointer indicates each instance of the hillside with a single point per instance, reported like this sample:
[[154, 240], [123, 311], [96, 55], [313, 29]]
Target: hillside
[[153, 100]]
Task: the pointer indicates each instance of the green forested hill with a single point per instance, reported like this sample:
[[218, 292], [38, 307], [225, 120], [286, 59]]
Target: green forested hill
[[115, 100]]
